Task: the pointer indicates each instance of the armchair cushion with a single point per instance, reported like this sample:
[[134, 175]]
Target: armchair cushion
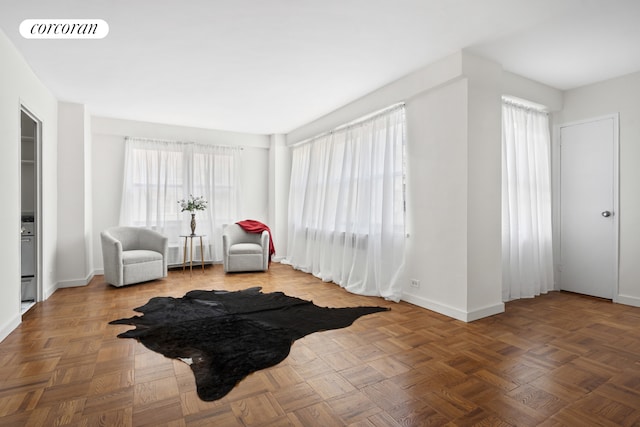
[[245, 248], [136, 256]]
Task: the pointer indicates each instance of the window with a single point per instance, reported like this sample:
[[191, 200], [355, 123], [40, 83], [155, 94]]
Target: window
[[159, 173], [346, 205]]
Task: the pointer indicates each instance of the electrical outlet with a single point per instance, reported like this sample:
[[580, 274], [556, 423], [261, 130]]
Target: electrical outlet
[[415, 283]]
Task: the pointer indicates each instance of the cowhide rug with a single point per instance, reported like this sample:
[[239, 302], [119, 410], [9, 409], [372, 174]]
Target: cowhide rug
[[225, 335]]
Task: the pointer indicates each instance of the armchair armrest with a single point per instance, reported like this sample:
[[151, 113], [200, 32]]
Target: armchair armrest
[[264, 242], [112, 255], [227, 240]]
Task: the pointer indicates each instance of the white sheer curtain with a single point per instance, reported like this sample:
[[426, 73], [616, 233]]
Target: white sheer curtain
[[159, 173], [346, 205], [527, 256]]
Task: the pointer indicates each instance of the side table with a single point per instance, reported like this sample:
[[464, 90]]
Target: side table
[[189, 238]]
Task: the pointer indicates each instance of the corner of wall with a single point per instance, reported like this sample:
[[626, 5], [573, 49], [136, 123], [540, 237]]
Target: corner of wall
[[279, 177], [74, 206], [484, 185]]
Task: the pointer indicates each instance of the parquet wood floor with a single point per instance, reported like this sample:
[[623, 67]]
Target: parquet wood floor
[[557, 360]]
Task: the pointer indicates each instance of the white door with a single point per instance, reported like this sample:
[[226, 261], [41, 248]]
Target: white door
[[588, 207]]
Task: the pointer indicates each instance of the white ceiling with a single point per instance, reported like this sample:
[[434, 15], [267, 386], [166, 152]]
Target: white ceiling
[[269, 66]]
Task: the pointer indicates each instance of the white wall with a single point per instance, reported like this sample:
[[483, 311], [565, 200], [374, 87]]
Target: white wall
[[620, 95], [437, 199], [74, 200], [108, 165], [404, 89], [529, 90], [20, 86], [279, 182], [255, 184], [484, 186], [88, 196]]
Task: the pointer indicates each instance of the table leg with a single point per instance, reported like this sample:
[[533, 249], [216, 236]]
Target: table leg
[[184, 258], [201, 254], [191, 257]]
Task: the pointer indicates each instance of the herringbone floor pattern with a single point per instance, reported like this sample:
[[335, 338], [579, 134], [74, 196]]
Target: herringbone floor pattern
[[556, 360]]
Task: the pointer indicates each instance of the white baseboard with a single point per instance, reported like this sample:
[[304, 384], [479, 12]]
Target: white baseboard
[[10, 326], [75, 283], [483, 312], [465, 316], [627, 300]]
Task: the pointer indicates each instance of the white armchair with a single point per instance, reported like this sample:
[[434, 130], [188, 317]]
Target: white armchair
[[243, 251], [133, 255]]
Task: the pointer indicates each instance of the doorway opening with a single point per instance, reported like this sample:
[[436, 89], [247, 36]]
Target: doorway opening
[[30, 209]]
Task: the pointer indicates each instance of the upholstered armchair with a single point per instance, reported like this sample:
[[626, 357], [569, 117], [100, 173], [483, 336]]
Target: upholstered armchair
[[244, 251], [133, 255]]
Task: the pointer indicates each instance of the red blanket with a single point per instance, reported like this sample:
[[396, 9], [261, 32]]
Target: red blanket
[[253, 226]]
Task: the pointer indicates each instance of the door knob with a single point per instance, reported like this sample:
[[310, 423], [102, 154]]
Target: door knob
[[606, 214]]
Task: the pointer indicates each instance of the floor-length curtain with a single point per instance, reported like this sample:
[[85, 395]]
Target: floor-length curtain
[[526, 202], [159, 173], [346, 205], [215, 177]]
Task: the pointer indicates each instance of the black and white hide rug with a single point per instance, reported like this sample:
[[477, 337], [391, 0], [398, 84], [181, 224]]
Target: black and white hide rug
[[226, 335]]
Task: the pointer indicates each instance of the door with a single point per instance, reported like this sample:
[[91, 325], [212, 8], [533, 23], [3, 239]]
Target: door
[[588, 207]]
